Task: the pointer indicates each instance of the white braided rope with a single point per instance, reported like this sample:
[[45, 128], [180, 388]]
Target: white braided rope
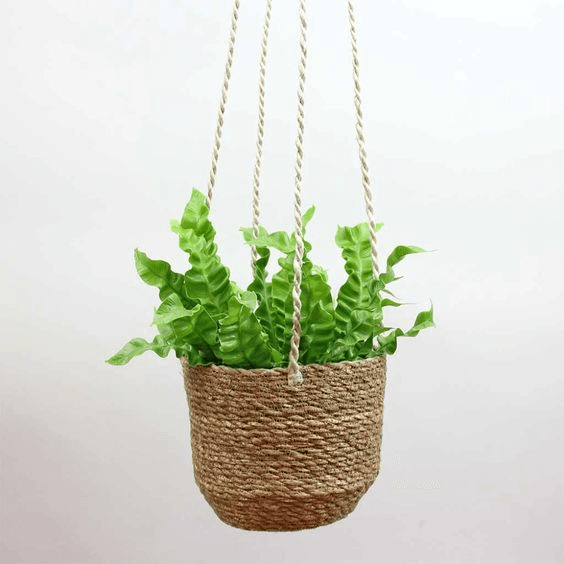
[[260, 133], [223, 102], [361, 141], [294, 374]]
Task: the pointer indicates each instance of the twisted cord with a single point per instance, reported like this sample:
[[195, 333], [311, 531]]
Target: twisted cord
[[361, 141], [223, 102], [294, 374], [260, 134]]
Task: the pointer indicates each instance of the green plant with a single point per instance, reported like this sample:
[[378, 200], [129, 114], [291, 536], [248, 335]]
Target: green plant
[[206, 317]]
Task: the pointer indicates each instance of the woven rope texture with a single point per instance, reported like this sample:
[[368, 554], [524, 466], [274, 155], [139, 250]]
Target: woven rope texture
[[273, 457]]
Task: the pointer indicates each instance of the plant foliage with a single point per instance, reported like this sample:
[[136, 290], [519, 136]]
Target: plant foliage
[[207, 318]]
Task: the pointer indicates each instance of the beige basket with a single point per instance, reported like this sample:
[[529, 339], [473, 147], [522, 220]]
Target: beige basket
[[273, 457]]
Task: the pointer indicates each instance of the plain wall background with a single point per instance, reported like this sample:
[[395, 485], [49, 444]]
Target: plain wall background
[[107, 115]]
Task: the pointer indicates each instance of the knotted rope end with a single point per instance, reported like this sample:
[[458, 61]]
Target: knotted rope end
[[295, 377]]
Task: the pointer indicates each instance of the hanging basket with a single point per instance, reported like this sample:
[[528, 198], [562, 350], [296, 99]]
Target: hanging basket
[[294, 447], [272, 457], [288, 448]]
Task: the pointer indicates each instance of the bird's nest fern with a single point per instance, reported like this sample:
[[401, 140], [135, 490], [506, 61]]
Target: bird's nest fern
[[207, 318]]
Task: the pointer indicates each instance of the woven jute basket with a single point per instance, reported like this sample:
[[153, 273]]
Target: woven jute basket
[[273, 457]]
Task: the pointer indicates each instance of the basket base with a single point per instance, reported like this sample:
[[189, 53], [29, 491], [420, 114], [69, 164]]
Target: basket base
[[269, 513]]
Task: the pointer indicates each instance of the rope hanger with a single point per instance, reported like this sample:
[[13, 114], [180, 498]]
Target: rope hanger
[[260, 133], [223, 101], [294, 374]]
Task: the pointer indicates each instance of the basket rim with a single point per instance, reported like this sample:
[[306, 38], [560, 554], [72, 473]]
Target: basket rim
[[281, 370]]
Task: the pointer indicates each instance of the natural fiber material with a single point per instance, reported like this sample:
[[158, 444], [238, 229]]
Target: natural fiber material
[[273, 457], [223, 100], [260, 128], [294, 374], [362, 142]]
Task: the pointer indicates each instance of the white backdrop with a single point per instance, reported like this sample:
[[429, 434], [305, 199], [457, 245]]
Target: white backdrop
[[107, 115]]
